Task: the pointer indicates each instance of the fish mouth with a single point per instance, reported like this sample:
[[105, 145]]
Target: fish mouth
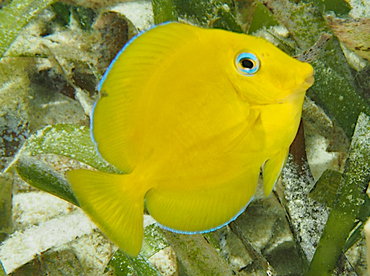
[[307, 83], [309, 80], [299, 89]]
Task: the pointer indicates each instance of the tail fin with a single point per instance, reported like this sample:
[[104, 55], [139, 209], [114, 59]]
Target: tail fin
[[112, 205]]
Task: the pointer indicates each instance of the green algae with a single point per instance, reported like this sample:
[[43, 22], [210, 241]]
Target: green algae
[[6, 222], [85, 17], [346, 207], [215, 14], [330, 68], [262, 18], [340, 7], [196, 255], [333, 91], [154, 241], [326, 188], [71, 141], [18, 13], [164, 10], [122, 265], [326, 191], [266, 233], [14, 16], [59, 262], [63, 13], [39, 175], [2, 271]]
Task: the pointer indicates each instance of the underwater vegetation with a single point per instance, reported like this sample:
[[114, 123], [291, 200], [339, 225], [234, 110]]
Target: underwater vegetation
[[53, 55]]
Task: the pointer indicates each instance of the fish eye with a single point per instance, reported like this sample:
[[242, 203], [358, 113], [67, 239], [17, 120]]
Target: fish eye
[[247, 64]]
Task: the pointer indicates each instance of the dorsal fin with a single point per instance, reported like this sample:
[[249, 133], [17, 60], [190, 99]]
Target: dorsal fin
[[123, 85]]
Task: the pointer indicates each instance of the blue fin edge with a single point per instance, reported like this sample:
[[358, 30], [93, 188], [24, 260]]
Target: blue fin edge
[[209, 230]]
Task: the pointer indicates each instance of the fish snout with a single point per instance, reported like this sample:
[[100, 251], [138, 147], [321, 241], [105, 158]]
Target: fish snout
[[309, 80], [306, 79]]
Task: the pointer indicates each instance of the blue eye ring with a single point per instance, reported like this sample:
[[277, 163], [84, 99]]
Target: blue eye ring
[[247, 64]]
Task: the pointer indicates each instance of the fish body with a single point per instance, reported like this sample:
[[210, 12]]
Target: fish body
[[190, 115]]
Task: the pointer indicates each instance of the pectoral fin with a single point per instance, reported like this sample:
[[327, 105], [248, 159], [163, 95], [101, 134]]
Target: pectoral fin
[[272, 170]]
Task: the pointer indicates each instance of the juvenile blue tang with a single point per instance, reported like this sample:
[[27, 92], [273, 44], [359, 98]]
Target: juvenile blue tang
[[190, 115]]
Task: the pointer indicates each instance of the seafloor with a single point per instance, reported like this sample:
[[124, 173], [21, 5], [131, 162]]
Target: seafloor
[[49, 71]]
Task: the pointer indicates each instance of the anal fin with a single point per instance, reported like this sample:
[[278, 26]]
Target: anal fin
[[202, 208]]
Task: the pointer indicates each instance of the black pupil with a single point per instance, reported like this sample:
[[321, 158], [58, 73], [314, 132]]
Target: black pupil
[[247, 63]]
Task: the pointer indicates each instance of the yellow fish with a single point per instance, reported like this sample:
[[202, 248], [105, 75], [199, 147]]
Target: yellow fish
[[190, 115]]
